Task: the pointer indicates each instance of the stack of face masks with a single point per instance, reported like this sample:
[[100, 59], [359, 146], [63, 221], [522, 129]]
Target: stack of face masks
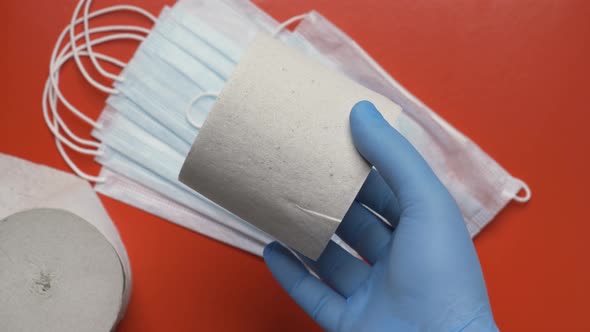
[[161, 98]]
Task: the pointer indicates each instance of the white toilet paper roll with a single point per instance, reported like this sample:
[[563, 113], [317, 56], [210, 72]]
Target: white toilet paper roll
[[57, 273], [24, 186]]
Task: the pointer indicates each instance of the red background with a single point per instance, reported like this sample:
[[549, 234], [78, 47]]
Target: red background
[[512, 75]]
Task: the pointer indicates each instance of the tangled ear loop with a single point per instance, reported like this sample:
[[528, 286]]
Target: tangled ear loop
[[92, 56], [52, 95], [84, 19]]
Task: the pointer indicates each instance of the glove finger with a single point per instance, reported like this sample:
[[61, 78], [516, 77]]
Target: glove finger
[[318, 300], [364, 232], [408, 175], [339, 269], [377, 195]]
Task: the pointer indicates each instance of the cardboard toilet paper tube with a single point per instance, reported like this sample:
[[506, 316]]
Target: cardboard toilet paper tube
[[276, 148], [57, 273]]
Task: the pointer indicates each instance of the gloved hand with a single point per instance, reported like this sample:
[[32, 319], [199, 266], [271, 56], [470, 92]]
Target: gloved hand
[[422, 274]]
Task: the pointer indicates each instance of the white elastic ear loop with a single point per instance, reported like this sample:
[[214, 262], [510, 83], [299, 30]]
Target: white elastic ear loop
[[56, 124], [55, 127], [101, 29], [288, 22], [527, 192], [67, 159], [51, 94], [55, 75], [60, 96], [76, 21], [189, 108], [53, 105], [54, 71], [73, 167], [100, 12], [93, 59]]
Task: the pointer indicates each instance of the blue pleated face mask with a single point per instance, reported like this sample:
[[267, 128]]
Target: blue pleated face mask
[[143, 132], [155, 109], [129, 150]]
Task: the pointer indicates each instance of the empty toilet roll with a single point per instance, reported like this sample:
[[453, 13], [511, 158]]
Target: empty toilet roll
[[57, 273], [276, 148]]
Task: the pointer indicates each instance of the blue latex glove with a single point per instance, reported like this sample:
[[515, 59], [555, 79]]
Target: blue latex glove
[[422, 274]]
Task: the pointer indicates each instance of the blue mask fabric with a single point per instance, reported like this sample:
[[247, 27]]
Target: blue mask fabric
[[193, 49]]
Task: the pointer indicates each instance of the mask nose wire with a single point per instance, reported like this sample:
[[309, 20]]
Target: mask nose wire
[[52, 95]]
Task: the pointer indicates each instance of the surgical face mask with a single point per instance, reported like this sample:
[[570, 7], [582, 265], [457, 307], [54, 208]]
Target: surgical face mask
[[154, 112], [124, 152]]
